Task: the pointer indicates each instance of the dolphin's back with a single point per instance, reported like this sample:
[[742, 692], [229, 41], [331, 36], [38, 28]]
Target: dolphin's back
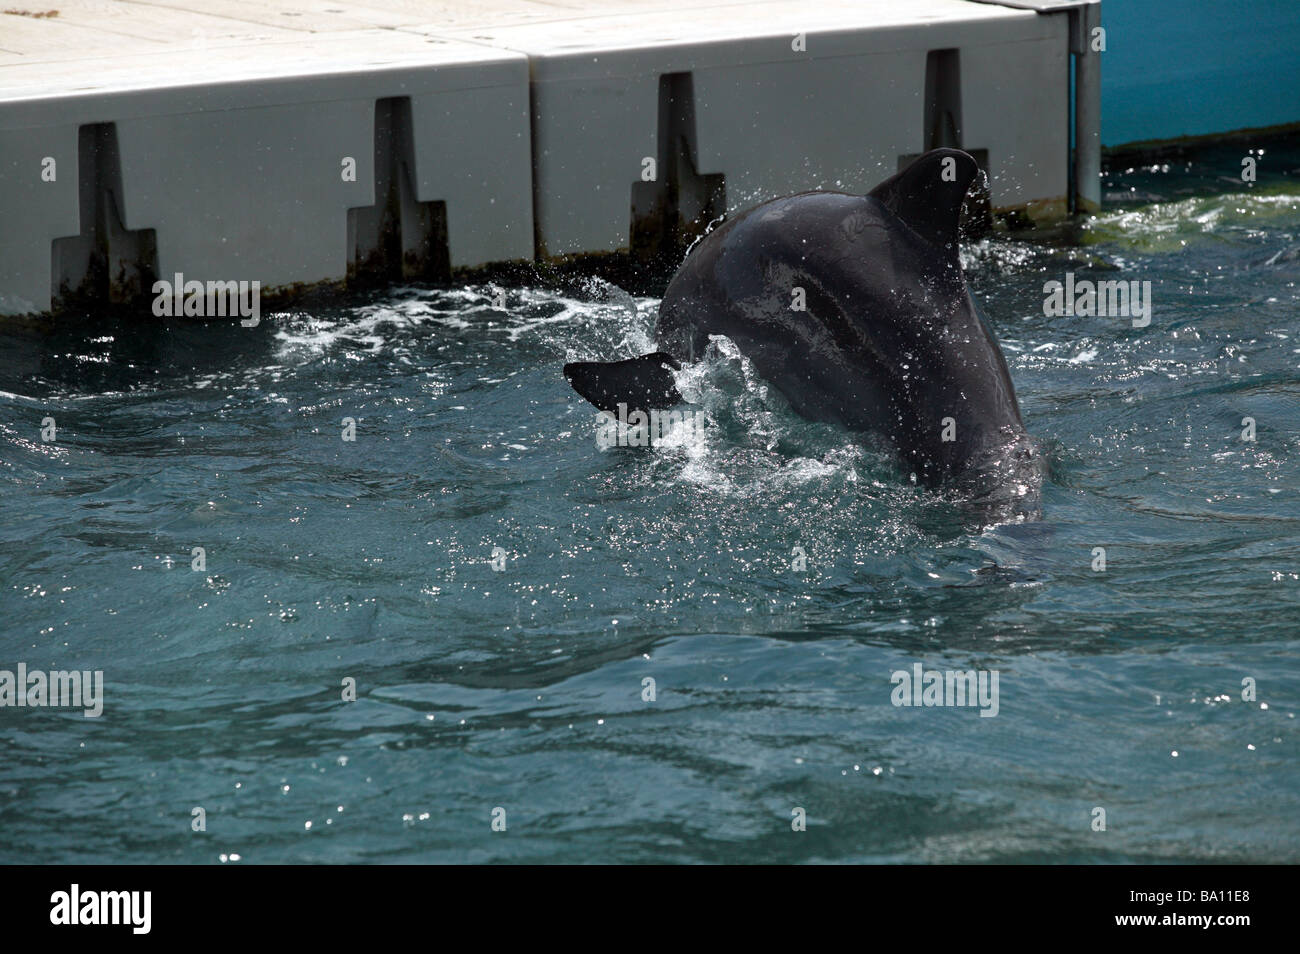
[[759, 281], [855, 308], [856, 318]]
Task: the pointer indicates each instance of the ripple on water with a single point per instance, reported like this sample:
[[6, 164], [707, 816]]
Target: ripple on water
[[768, 575]]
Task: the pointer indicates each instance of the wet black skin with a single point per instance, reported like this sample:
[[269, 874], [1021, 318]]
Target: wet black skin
[[889, 341]]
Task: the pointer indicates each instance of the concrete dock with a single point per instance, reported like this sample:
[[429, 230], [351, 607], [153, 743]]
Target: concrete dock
[[301, 142]]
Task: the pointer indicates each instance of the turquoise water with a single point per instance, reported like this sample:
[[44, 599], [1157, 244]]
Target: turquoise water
[[1195, 69], [524, 689]]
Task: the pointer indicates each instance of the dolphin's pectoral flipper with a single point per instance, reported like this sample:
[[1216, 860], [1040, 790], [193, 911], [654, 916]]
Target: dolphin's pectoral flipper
[[643, 384]]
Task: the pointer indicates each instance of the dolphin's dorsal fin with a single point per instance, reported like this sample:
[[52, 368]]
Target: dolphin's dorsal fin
[[928, 194]]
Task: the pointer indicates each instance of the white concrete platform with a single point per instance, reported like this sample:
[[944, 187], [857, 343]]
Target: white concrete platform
[[292, 141], [835, 110], [231, 141]]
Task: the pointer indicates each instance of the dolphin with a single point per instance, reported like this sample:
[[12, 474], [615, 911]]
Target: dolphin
[[856, 309]]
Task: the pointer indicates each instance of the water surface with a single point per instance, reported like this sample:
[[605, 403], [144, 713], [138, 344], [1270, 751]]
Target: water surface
[[524, 689]]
